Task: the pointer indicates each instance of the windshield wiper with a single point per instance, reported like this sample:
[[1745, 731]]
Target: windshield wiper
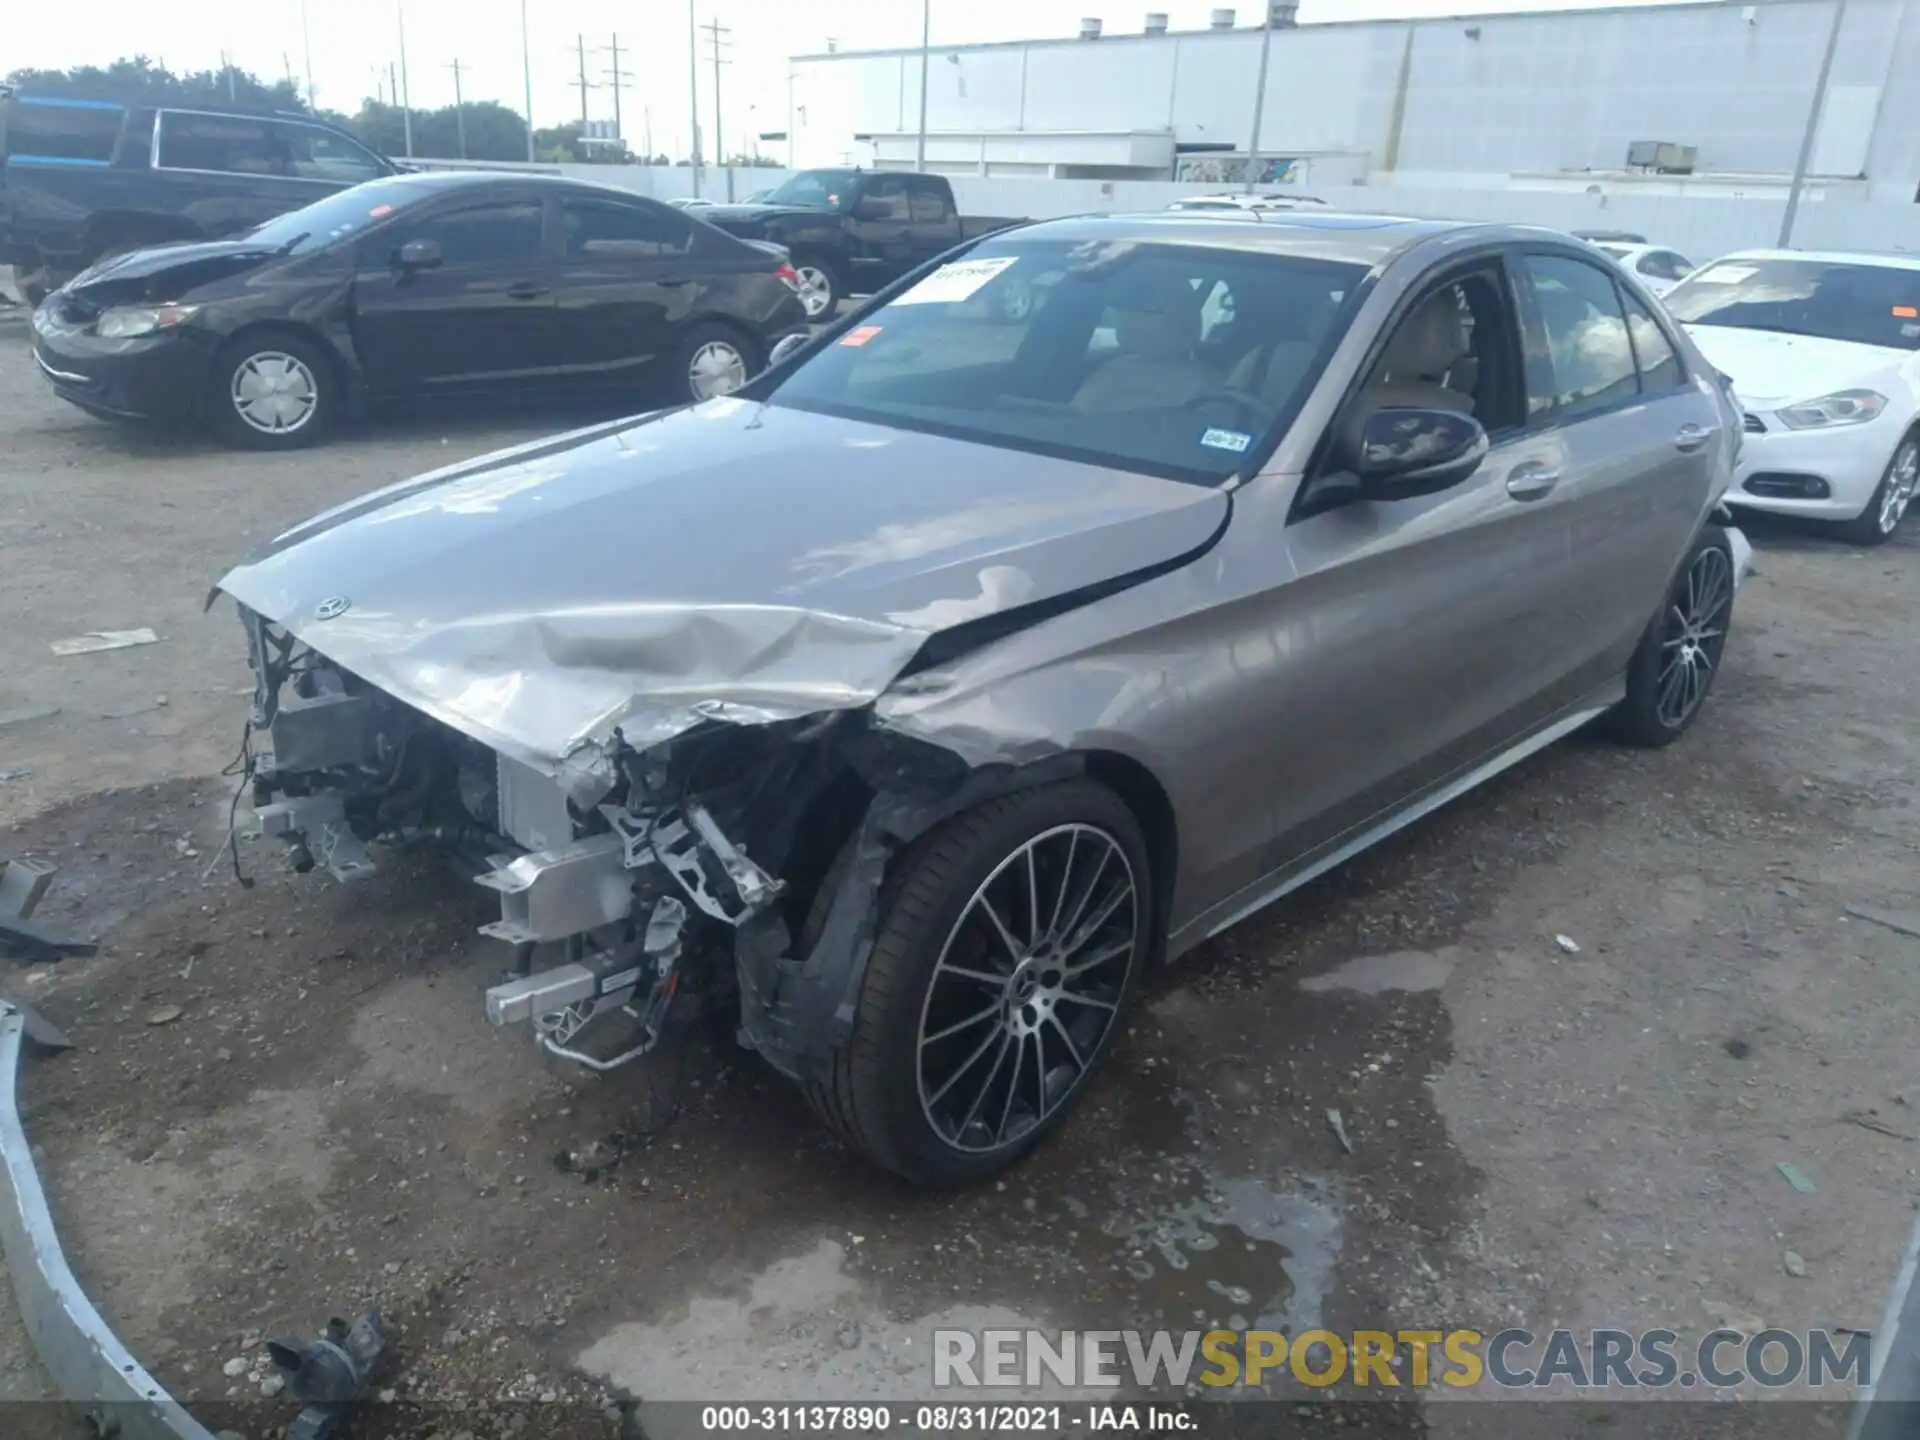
[[287, 249]]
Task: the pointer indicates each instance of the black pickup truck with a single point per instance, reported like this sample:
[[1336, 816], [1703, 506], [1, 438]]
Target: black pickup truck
[[84, 179], [853, 231]]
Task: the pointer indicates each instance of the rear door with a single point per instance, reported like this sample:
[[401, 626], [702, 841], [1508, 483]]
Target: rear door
[[880, 233], [483, 316], [930, 211], [625, 285], [1640, 435]]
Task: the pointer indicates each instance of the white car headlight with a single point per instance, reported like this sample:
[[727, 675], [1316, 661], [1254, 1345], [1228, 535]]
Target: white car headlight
[[1843, 407], [125, 322]]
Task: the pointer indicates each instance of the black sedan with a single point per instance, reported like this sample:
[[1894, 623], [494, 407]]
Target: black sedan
[[416, 285]]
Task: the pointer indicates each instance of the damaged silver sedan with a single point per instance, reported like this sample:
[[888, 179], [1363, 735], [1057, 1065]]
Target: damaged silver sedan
[[914, 699]]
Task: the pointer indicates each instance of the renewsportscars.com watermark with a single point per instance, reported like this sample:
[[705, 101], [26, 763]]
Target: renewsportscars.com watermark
[[1411, 1359]]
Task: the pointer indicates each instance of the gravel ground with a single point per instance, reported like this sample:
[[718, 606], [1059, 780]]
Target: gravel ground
[[287, 1103]]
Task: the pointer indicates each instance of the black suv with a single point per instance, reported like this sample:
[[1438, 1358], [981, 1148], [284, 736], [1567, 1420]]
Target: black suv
[[84, 179]]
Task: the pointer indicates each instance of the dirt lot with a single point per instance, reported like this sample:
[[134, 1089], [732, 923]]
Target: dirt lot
[[287, 1103]]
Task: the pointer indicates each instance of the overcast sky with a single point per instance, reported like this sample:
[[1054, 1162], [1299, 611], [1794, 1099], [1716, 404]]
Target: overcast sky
[[350, 40]]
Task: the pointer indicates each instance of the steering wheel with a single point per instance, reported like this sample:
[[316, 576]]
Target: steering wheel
[[1243, 411]]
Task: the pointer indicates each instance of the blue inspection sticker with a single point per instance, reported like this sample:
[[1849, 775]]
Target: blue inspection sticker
[[1234, 440]]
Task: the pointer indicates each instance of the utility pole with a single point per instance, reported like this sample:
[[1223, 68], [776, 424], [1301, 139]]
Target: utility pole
[[693, 90], [716, 35], [926, 37], [306, 51], [1260, 95], [526, 76], [580, 42], [614, 75], [1813, 128], [459, 107], [405, 91], [393, 92], [226, 64]]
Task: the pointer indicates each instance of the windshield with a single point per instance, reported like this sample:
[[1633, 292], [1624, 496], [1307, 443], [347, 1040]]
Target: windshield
[[1169, 360], [301, 232], [1833, 300], [814, 189]]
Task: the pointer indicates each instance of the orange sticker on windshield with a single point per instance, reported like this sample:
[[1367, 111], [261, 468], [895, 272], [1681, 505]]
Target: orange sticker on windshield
[[1905, 312], [859, 335], [377, 211]]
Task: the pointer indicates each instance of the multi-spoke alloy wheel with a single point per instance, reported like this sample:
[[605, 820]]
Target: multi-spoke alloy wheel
[[1673, 667], [1026, 987], [1008, 946], [1696, 632]]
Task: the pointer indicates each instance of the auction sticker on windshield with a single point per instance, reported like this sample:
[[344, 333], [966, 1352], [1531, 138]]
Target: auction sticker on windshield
[[955, 281], [1235, 440]]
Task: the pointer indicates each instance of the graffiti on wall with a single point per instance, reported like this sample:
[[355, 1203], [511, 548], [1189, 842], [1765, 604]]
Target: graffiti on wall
[[1232, 170]]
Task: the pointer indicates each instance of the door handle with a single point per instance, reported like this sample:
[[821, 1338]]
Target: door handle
[[1532, 481], [525, 290], [1691, 436]]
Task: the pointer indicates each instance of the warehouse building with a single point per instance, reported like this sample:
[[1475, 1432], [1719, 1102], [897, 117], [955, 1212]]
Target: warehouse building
[[1700, 99]]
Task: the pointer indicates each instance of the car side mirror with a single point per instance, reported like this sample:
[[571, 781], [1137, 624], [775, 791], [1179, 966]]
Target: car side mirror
[[1404, 453], [420, 255], [788, 344]]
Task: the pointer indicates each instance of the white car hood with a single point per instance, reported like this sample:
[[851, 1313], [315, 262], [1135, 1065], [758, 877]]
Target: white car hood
[[1769, 369]]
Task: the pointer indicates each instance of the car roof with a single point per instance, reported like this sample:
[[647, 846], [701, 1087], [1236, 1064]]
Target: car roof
[[1317, 234], [1830, 257], [450, 180]]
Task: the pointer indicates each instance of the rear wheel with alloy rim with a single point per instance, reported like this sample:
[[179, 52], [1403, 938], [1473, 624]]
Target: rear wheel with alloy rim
[[272, 391], [1679, 655], [1888, 507], [713, 361], [1009, 945], [819, 289]]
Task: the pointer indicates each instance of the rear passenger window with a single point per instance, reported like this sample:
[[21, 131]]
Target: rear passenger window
[[1659, 366], [77, 132], [1591, 354], [609, 230], [231, 144]]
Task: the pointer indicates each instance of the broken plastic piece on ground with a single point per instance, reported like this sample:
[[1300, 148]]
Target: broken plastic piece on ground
[[330, 1374], [95, 640]]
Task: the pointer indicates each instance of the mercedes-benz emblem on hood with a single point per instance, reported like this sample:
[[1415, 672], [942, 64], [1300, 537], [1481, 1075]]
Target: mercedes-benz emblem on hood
[[331, 607]]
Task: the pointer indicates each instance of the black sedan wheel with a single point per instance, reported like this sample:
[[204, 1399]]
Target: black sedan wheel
[[272, 390], [1009, 945], [715, 361], [1672, 670], [820, 289]]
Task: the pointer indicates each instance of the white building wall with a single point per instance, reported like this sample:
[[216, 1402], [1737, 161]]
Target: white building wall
[[1540, 92]]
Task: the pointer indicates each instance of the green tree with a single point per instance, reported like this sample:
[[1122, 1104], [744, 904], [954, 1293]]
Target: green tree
[[137, 80]]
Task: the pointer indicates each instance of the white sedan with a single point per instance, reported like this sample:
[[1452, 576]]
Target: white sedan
[[1657, 267], [1824, 354]]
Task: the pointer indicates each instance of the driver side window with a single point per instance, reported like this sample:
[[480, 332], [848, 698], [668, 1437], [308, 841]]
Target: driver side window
[[1455, 349]]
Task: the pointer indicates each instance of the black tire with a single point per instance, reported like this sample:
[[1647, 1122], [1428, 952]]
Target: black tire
[[1688, 635], [822, 288], [708, 339], [1887, 508], [873, 1094], [295, 369]]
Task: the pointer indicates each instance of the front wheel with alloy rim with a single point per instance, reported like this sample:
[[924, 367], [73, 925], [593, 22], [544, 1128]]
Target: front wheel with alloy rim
[[1010, 942], [713, 360], [272, 391], [1673, 668], [819, 288], [1888, 507]]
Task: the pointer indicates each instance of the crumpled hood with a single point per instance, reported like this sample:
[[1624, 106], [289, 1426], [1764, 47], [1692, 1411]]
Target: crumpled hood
[[165, 272], [1769, 369], [729, 561]]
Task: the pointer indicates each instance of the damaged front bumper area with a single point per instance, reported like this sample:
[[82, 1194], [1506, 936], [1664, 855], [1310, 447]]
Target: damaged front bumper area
[[735, 863]]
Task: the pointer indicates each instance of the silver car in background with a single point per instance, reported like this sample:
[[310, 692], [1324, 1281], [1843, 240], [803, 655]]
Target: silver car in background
[[912, 701]]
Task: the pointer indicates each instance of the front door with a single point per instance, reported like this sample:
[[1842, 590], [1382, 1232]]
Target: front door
[[483, 316], [880, 231]]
